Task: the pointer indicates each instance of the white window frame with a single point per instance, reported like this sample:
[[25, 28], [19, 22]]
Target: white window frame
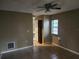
[[52, 28]]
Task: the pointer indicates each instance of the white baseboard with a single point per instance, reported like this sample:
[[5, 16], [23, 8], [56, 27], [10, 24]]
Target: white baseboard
[[16, 49], [72, 51]]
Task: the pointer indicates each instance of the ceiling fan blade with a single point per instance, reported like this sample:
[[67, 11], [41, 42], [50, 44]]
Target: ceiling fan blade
[[56, 8]]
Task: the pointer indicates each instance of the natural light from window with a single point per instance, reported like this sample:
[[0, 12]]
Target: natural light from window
[[54, 27]]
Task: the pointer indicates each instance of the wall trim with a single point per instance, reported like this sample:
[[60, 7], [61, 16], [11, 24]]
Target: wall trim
[[16, 49], [72, 51]]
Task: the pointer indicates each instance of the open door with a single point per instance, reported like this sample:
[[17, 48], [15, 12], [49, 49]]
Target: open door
[[40, 26]]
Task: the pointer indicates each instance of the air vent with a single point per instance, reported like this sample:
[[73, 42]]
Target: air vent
[[11, 45]]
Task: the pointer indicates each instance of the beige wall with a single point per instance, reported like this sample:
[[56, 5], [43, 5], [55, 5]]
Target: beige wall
[[46, 30], [69, 29], [15, 27], [35, 29]]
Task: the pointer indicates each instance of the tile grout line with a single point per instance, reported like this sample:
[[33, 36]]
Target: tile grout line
[[72, 51]]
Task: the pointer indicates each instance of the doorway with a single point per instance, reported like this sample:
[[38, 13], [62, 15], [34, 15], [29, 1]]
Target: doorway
[[40, 26], [37, 31]]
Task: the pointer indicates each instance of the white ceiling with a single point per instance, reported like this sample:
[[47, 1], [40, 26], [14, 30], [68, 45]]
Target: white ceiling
[[31, 5]]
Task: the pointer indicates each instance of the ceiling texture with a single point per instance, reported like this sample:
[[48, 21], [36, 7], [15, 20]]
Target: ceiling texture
[[30, 6]]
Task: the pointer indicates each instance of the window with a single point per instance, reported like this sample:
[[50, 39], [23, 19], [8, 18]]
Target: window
[[54, 27], [11, 45]]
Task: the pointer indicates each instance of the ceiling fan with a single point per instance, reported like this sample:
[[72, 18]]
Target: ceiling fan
[[48, 6]]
